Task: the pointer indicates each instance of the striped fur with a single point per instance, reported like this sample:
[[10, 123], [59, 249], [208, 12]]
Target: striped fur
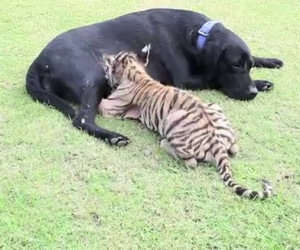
[[191, 130]]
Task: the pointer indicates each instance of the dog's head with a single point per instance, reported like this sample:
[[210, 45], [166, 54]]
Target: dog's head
[[226, 62]]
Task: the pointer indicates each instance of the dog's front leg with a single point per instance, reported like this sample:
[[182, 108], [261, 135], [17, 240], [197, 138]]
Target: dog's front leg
[[261, 62]]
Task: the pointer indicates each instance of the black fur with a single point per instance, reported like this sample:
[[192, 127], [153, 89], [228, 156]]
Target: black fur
[[69, 68]]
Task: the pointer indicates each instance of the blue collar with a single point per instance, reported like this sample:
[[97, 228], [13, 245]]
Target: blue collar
[[204, 33]]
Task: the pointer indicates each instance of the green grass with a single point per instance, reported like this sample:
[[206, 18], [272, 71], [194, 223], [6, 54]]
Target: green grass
[[62, 189]]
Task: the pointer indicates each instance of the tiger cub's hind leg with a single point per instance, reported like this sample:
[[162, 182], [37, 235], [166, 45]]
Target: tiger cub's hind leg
[[188, 159], [191, 163], [234, 148]]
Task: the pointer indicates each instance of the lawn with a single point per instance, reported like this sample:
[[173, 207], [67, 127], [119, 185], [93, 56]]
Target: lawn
[[62, 189]]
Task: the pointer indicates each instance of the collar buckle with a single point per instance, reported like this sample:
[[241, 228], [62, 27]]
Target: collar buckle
[[202, 33]]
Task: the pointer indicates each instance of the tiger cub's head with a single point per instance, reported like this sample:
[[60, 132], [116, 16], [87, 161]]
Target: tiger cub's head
[[123, 65]]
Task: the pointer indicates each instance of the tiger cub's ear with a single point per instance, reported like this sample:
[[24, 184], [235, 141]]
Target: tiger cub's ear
[[107, 63], [106, 58], [144, 54]]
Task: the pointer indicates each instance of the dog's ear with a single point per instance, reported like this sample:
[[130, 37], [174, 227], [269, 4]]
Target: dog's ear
[[191, 41], [209, 56], [144, 54]]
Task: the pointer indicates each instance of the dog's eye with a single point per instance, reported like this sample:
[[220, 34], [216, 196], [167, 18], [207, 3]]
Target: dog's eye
[[236, 65]]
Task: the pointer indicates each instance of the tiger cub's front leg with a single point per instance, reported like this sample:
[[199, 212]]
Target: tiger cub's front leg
[[134, 112], [109, 108]]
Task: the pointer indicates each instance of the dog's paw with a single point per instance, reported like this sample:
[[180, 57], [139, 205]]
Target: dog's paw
[[275, 63], [117, 140], [263, 85], [271, 63]]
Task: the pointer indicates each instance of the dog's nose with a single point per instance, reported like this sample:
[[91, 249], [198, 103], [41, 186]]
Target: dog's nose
[[253, 90]]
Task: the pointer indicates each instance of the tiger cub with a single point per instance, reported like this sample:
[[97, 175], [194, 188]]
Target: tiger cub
[[191, 130]]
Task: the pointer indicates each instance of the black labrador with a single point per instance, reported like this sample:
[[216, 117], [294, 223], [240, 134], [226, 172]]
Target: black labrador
[[187, 50]]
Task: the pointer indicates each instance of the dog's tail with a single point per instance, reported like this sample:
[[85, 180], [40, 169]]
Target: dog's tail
[[34, 87]]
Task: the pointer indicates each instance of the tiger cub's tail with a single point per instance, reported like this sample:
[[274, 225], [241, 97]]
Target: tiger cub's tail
[[222, 160]]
